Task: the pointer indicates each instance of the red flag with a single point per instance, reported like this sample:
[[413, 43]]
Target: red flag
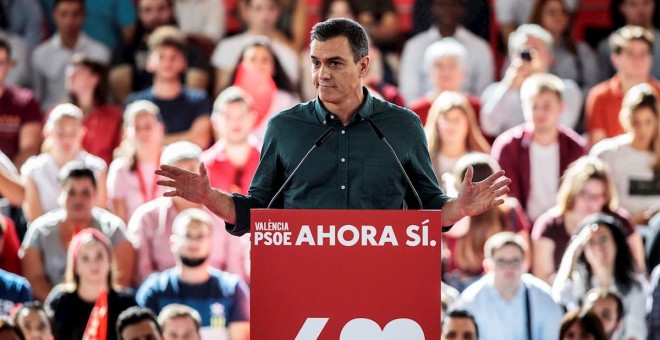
[[260, 86], [97, 325]]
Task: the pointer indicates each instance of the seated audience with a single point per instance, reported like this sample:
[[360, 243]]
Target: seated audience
[[45, 245], [530, 53], [50, 58], [634, 157], [536, 154], [221, 298], [87, 86], [579, 324], [586, 188], [506, 288], [130, 73], [89, 301], [33, 321], [414, 79], [608, 307], [150, 226], [459, 324], [185, 111], [64, 132], [138, 323], [598, 256], [233, 159], [180, 322], [14, 290], [131, 178], [632, 48]]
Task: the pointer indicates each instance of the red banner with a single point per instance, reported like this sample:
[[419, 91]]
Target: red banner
[[340, 274]]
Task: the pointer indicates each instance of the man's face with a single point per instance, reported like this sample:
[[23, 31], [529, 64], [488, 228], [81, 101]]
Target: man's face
[[79, 196], [154, 13], [635, 59], [69, 16], [66, 135], [335, 74], [262, 15], [638, 12], [5, 64], [546, 108], [507, 265], [180, 328], [448, 13], [235, 122], [192, 242], [459, 329], [541, 55], [447, 74], [606, 310], [167, 62], [143, 330]]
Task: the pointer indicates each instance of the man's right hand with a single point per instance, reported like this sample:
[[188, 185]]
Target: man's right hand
[[186, 184], [517, 72]]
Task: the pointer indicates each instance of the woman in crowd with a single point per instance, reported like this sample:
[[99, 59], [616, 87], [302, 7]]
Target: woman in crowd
[[87, 85], [33, 321], [598, 256], [587, 188], [452, 131], [634, 157], [131, 178], [64, 133], [89, 287], [572, 60], [465, 241], [581, 325]]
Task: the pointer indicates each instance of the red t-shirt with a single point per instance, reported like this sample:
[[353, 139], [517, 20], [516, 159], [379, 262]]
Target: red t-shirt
[[224, 175], [9, 260], [18, 106], [103, 132]]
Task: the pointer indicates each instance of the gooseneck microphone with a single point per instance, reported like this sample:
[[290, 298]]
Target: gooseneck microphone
[[317, 144], [381, 136]]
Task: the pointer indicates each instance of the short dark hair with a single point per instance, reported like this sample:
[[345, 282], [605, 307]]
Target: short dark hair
[[5, 45], [57, 2], [629, 33], [341, 27], [460, 313], [77, 170], [102, 91], [589, 321], [133, 315]]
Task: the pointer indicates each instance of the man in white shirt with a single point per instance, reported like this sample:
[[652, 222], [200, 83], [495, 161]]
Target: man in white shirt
[[414, 79], [506, 303]]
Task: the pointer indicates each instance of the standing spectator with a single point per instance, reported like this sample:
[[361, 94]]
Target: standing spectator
[[586, 188], [221, 298], [50, 58], [414, 80], [634, 157], [635, 13], [536, 154], [233, 159], [33, 321], [578, 324], [608, 307], [185, 111], [90, 283], [632, 48], [131, 178], [14, 289], [20, 118], [506, 288], [64, 134], [45, 245], [598, 256], [180, 322], [261, 17], [459, 324], [202, 21], [129, 72], [138, 323], [510, 14], [530, 52], [572, 60], [445, 62], [23, 18], [110, 22], [87, 86], [150, 226]]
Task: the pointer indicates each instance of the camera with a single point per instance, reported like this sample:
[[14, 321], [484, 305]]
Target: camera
[[526, 55]]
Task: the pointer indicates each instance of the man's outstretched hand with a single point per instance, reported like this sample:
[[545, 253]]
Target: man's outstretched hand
[[475, 198], [186, 184]]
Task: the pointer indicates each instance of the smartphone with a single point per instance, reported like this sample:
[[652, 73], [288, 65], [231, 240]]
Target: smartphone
[[526, 55]]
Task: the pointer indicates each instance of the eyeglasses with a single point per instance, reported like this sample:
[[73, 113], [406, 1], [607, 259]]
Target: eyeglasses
[[601, 241], [591, 196], [501, 263]]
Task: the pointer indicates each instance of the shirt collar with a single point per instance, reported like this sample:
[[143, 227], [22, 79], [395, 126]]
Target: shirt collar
[[365, 111]]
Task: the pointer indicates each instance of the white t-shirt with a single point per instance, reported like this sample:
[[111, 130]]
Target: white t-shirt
[[205, 17], [520, 11], [627, 164], [544, 178]]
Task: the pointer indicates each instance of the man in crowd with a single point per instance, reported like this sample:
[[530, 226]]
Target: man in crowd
[[180, 322], [137, 323], [459, 325]]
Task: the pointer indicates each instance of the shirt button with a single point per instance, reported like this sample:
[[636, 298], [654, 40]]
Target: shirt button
[[343, 187], [332, 116], [343, 160], [343, 132], [324, 122]]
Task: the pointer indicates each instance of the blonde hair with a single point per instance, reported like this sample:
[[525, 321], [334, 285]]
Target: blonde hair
[[639, 97], [576, 176], [444, 103], [71, 278]]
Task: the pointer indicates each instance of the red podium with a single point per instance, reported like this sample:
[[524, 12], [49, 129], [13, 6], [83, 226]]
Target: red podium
[[345, 274]]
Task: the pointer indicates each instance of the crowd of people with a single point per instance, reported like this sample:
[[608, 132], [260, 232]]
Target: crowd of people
[[97, 95]]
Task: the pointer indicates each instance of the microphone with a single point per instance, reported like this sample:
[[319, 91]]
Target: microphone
[[317, 144], [381, 136]]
